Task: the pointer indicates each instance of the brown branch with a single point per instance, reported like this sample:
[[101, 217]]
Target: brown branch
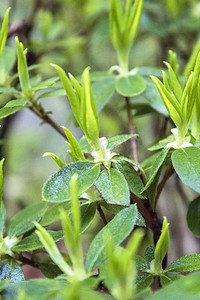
[[28, 261], [169, 171], [45, 117], [101, 213], [131, 129]]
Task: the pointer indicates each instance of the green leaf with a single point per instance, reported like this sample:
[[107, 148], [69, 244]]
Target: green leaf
[[57, 160], [52, 249], [185, 264], [134, 181], [74, 148], [57, 187], [45, 83], [186, 163], [4, 30], [153, 98], [119, 227], [52, 214], [1, 180], [163, 243], [103, 91], [7, 111], [149, 254], [130, 85], [17, 103], [88, 211], [140, 263], [157, 164], [11, 270], [32, 242], [143, 281], [23, 221], [60, 92], [185, 288], [113, 187], [7, 59], [9, 90], [90, 122], [169, 278], [49, 270], [117, 140], [193, 217], [2, 218]]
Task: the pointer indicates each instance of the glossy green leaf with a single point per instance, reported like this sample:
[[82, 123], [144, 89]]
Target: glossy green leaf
[[32, 242], [185, 264], [4, 30], [87, 215], [119, 227], [193, 217], [113, 187], [157, 164], [186, 163], [133, 179], [23, 221], [11, 270], [130, 85], [103, 91], [57, 187]]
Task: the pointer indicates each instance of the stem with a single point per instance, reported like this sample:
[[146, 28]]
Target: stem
[[102, 214], [28, 261], [39, 111], [167, 175], [131, 129]]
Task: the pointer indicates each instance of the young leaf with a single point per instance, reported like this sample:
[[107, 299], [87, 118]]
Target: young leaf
[[32, 242], [185, 264], [23, 69], [52, 249], [186, 165], [23, 221], [52, 214], [74, 149], [1, 180], [57, 186], [130, 85], [119, 227], [193, 217], [113, 187], [7, 111], [58, 161], [157, 164], [191, 63], [11, 270], [4, 30], [163, 243], [103, 91], [2, 218]]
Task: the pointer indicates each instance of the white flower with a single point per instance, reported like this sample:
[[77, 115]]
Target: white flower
[[104, 156], [6, 245], [186, 141]]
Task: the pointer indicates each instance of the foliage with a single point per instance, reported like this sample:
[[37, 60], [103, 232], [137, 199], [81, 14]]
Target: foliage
[[97, 178]]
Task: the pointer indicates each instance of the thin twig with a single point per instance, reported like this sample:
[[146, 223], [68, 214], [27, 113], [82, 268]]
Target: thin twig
[[131, 129], [28, 261], [45, 117], [167, 175], [101, 213]]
